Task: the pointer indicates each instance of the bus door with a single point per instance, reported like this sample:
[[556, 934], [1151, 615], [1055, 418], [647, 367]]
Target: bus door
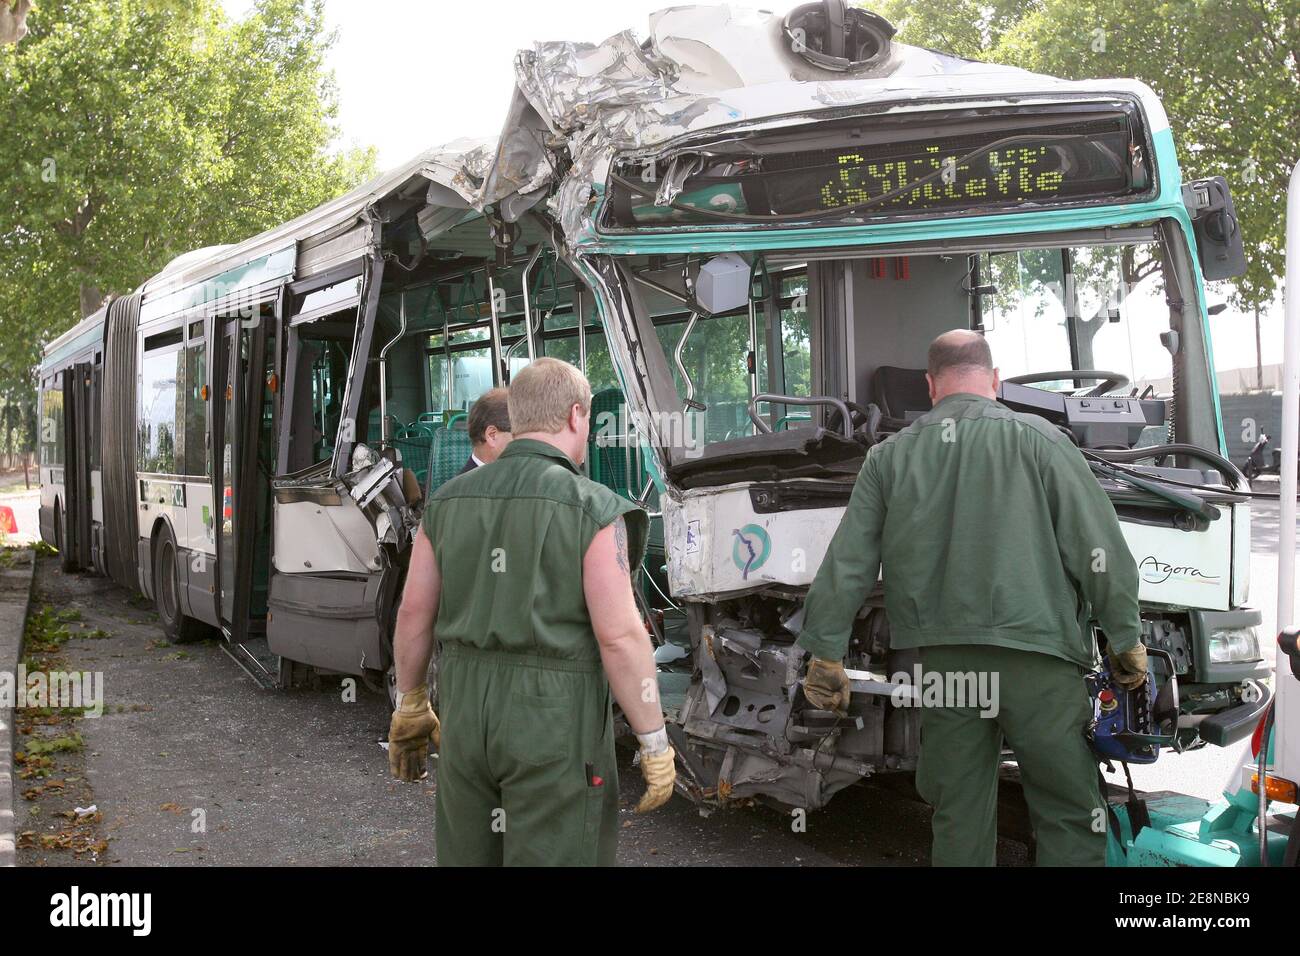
[[74, 524], [241, 409], [79, 439]]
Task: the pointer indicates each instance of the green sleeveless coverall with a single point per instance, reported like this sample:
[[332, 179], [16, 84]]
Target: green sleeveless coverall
[[526, 771]]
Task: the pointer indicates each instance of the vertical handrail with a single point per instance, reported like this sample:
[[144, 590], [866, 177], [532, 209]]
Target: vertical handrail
[[681, 367], [499, 375], [580, 308], [528, 303], [383, 371]]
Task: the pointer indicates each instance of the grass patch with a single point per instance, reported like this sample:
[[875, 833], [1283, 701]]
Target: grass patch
[[46, 631], [70, 743]]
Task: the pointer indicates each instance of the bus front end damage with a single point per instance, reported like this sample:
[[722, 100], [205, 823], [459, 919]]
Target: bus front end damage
[[772, 248], [740, 559]]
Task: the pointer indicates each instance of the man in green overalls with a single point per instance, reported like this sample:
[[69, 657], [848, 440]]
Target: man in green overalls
[[998, 547], [522, 568]]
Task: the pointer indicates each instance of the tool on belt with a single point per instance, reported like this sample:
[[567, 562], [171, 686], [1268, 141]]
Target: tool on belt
[[1130, 726]]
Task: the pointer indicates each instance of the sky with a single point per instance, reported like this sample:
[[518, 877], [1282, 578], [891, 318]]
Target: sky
[[412, 74], [419, 73]]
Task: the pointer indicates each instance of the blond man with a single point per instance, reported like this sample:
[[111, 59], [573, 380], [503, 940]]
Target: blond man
[[523, 573]]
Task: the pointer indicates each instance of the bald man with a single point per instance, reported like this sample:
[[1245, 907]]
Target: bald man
[[999, 550]]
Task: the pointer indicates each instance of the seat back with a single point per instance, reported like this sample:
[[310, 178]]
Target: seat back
[[900, 390], [451, 446], [416, 448]]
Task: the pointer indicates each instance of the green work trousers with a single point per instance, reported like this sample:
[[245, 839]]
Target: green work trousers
[[1042, 707], [526, 771]]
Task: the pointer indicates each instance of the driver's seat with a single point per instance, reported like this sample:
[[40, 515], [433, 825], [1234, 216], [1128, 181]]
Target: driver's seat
[[902, 394]]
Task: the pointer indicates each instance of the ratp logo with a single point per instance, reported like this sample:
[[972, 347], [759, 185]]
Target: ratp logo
[[751, 548], [75, 909]]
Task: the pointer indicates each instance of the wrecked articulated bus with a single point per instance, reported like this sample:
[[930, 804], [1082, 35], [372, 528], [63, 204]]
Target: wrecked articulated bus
[[746, 230], [774, 227], [248, 438]]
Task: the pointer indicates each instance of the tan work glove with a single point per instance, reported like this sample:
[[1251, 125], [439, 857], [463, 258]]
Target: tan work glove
[[413, 725], [1129, 668], [659, 768], [827, 686]]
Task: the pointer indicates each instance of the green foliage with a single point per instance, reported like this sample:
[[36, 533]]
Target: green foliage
[[1227, 71], [17, 423], [136, 130], [956, 27], [70, 743]]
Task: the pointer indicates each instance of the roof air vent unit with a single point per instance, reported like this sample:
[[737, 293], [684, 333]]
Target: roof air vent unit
[[833, 36]]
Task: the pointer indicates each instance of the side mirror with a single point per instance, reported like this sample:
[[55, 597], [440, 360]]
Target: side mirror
[[1218, 233]]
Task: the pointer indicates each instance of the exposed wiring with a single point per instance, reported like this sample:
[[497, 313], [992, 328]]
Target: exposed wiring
[[655, 585]]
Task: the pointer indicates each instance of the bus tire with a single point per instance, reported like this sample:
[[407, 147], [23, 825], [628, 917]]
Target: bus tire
[[66, 562], [178, 628]]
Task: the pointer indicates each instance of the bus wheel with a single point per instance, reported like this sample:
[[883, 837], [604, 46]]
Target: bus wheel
[[66, 563], [167, 593]]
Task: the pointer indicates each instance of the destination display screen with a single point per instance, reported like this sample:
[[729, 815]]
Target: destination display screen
[[983, 165]]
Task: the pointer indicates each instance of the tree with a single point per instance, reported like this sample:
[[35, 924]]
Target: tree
[[957, 27], [1227, 71], [140, 129]]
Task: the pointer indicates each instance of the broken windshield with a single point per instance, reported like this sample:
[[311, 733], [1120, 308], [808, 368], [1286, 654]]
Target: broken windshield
[[832, 337]]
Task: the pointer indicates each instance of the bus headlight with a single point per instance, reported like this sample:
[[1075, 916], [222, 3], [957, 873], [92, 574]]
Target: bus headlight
[[1232, 645]]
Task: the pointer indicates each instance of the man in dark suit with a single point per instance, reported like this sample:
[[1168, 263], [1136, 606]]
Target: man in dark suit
[[489, 428]]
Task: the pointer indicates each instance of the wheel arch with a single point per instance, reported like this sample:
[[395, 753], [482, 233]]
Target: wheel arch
[[155, 530]]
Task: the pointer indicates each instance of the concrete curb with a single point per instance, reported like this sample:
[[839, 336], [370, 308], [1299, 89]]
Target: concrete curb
[[15, 596]]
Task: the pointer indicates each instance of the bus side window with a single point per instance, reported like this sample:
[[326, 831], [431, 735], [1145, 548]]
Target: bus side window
[[52, 423], [796, 336], [159, 398], [785, 349], [196, 412]]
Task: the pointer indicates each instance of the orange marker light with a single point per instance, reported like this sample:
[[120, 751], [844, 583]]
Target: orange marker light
[[1275, 788]]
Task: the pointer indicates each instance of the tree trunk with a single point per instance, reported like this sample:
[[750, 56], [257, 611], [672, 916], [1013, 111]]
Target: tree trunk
[[13, 20], [1259, 355], [91, 298]]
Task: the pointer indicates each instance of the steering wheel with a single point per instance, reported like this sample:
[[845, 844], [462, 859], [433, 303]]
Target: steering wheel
[[1109, 380]]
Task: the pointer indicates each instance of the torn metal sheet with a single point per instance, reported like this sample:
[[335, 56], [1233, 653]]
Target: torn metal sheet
[[715, 685], [700, 66]]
